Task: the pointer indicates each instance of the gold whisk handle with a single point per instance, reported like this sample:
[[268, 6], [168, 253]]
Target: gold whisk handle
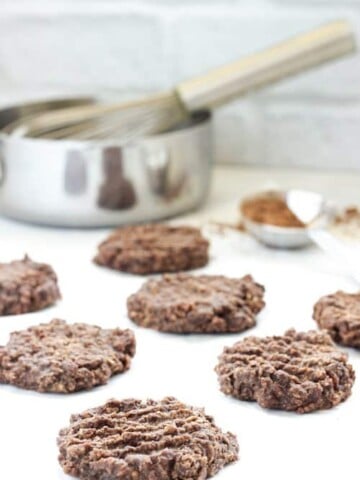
[[256, 71]]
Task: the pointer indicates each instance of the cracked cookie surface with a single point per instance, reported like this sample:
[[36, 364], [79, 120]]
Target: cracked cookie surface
[[63, 358], [153, 248], [183, 303], [26, 286], [299, 372], [339, 314], [154, 440]]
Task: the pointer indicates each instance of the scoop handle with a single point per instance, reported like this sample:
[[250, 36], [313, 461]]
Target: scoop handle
[[338, 250], [258, 70]]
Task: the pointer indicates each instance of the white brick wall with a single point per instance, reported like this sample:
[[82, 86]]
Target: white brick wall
[[62, 46]]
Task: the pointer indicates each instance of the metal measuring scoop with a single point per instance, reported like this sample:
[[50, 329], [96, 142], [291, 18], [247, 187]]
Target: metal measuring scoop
[[316, 214], [313, 209]]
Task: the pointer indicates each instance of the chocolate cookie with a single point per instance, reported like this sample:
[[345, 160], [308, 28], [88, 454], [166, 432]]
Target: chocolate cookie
[[339, 314], [184, 303], [153, 248], [61, 358], [152, 440], [302, 372], [26, 286]]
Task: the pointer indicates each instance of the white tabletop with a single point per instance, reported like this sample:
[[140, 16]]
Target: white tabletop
[[272, 444]]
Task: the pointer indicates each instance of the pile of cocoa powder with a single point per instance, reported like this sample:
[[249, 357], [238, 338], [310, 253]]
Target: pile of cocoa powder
[[269, 208]]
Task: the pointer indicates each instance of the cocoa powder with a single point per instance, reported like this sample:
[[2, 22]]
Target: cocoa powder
[[270, 208]]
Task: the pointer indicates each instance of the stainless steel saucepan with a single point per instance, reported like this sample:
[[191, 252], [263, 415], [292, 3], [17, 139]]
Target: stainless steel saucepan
[[88, 184], [107, 182]]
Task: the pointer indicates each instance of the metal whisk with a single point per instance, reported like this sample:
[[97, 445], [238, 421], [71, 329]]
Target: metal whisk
[[160, 112]]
